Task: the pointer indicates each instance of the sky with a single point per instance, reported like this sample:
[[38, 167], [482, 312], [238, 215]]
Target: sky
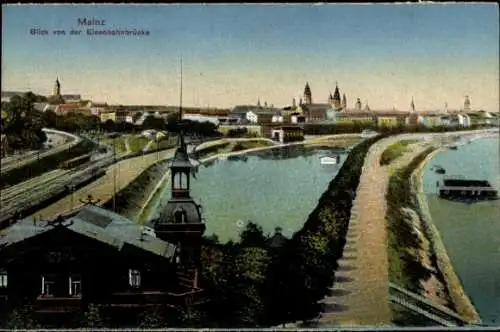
[[238, 54]]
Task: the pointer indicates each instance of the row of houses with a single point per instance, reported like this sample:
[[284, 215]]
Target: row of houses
[[324, 114]]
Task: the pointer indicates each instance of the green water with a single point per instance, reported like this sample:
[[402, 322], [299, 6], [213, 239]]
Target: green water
[[471, 232], [277, 187]]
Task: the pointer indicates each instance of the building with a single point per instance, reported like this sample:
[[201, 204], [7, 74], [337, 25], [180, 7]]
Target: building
[[467, 104], [41, 107], [121, 115], [335, 101], [357, 105], [289, 133], [307, 95], [352, 117], [97, 108], [56, 92], [314, 112], [240, 111], [107, 115], [181, 222], [392, 118], [260, 116], [95, 256], [64, 109]]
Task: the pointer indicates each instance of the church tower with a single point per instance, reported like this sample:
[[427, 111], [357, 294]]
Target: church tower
[[57, 88], [467, 104], [181, 221], [412, 106], [344, 102], [307, 94], [336, 98], [330, 100], [358, 106]]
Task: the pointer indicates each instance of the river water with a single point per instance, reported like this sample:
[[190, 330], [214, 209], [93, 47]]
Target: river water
[[471, 232], [278, 187]]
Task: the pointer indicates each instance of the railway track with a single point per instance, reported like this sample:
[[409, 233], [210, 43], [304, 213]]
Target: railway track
[[31, 156], [423, 306], [35, 192]]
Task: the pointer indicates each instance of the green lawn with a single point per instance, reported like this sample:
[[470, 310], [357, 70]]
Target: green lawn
[[137, 143], [119, 143], [394, 151]]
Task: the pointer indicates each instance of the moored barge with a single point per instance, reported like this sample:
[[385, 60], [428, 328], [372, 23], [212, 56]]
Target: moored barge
[[458, 188]]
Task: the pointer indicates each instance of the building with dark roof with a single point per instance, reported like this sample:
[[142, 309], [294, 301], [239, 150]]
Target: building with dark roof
[[94, 256]]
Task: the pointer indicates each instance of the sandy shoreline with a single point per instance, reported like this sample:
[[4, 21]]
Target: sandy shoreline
[[452, 283]]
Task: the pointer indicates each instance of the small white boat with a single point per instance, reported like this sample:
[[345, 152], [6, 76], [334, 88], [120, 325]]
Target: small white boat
[[330, 160]]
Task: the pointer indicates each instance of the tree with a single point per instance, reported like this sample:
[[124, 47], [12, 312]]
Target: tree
[[21, 318], [49, 119], [152, 122], [253, 236], [152, 319], [23, 124]]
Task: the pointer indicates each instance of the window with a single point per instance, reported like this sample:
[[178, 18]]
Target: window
[[3, 279], [134, 278], [47, 285], [179, 216], [75, 285]]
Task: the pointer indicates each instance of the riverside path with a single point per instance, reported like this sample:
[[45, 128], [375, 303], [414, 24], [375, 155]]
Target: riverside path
[[360, 295]]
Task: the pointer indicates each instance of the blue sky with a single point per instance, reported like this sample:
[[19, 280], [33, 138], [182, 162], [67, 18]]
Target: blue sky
[[235, 54]]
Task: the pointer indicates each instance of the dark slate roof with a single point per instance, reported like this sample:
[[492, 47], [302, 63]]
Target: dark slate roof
[[193, 214], [96, 223], [314, 107]]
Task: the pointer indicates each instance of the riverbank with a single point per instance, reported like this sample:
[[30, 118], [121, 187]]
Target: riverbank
[[458, 297]]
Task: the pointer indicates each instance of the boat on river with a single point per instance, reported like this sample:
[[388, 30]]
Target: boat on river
[[466, 190], [439, 169], [330, 160]]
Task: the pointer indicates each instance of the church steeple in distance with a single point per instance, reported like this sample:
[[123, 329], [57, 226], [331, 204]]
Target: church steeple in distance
[[412, 105], [307, 94], [57, 88], [336, 98]]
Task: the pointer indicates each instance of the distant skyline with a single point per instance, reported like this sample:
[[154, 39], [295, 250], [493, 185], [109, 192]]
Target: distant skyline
[[237, 54]]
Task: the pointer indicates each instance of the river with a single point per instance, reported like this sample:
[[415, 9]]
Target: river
[[471, 232], [278, 187]]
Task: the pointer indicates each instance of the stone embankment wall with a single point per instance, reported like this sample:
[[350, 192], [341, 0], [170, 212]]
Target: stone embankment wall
[[459, 299]]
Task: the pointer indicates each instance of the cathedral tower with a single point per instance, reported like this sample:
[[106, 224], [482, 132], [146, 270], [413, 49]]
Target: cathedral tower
[[307, 94], [336, 98], [467, 104], [57, 88], [344, 102], [358, 106], [412, 105]]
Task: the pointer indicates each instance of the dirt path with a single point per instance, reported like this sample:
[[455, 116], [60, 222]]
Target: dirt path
[[360, 293]]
